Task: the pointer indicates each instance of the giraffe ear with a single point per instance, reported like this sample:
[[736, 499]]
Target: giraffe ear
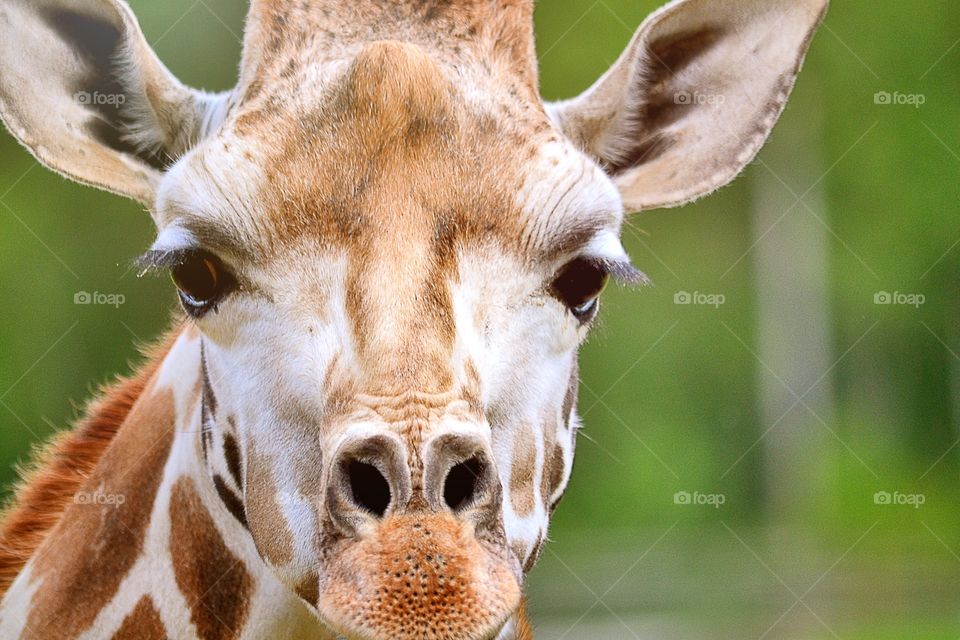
[[82, 90], [694, 96]]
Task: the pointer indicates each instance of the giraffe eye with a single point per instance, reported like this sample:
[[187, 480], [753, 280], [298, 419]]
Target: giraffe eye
[[202, 281], [578, 286]]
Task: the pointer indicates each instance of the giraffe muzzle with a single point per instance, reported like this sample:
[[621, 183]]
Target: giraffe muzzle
[[419, 547]]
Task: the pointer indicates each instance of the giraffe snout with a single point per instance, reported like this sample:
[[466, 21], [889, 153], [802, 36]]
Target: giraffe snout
[[421, 552], [376, 476]]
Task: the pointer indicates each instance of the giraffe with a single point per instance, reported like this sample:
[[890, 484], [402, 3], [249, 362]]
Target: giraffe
[[387, 249]]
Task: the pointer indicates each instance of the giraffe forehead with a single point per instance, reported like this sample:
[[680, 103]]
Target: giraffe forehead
[[395, 132], [394, 84], [396, 151]]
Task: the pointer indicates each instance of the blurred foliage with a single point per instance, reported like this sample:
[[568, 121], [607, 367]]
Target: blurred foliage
[[671, 394]]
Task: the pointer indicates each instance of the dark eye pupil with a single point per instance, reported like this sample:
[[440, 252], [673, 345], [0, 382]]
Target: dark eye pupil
[[198, 278], [578, 286]]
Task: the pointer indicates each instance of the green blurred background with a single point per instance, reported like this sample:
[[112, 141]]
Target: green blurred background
[[800, 403]]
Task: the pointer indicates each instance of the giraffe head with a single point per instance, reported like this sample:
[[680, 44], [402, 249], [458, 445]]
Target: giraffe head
[[392, 249]]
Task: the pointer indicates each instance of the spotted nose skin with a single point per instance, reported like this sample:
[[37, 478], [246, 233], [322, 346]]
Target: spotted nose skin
[[421, 577]]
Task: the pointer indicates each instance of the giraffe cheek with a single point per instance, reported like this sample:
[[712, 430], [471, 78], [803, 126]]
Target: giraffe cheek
[[274, 513]]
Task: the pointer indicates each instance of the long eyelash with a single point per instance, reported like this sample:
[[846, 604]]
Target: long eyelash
[[156, 260], [621, 271]]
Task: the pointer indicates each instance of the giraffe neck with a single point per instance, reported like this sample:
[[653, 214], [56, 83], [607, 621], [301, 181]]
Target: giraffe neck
[[147, 548]]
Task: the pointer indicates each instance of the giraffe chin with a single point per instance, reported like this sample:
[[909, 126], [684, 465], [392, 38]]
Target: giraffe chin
[[423, 577]]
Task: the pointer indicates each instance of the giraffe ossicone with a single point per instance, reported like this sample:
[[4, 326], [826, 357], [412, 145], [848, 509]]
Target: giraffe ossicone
[[388, 249]]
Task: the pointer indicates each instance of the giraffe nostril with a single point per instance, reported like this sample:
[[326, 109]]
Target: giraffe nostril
[[369, 478], [369, 487], [463, 483]]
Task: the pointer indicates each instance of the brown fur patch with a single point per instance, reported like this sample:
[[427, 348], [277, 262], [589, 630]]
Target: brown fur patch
[[398, 87], [555, 475], [231, 451], [524, 627], [268, 524], [309, 588], [97, 542], [48, 488], [214, 581], [523, 472], [548, 472], [143, 623], [230, 500]]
